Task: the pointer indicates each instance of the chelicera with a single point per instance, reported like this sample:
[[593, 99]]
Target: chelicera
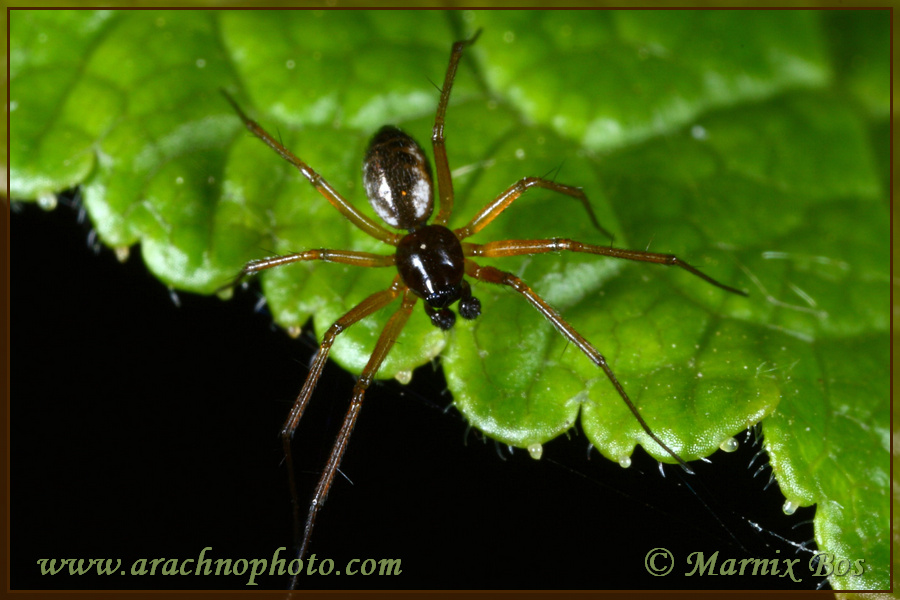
[[433, 263]]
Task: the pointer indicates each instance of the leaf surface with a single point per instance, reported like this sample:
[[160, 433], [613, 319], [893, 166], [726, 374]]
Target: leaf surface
[[748, 144]]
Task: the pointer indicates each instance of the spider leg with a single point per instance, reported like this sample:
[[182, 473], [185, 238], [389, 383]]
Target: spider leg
[[347, 257], [348, 210], [502, 202], [444, 181], [492, 275], [520, 247], [369, 306], [389, 335]]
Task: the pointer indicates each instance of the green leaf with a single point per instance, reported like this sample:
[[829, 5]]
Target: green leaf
[[746, 143]]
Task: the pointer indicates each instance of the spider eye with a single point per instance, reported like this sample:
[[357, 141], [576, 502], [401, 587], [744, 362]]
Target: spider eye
[[444, 297]]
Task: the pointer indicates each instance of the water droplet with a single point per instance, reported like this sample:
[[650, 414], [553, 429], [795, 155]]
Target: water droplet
[[201, 62], [290, 64], [624, 461], [789, 507], [47, 200], [536, 451], [698, 132], [729, 445], [179, 180], [122, 253], [403, 377], [520, 153]]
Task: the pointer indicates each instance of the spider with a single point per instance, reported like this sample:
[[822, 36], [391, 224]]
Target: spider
[[432, 263]]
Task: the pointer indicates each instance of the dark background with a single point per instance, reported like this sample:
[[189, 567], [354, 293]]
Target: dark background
[[142, 429]]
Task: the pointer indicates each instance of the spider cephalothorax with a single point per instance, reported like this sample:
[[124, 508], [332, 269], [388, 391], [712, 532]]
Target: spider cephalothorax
[[432, 263]]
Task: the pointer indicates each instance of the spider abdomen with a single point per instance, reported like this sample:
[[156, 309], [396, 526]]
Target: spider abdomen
[[431, 263], [397, 178]]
